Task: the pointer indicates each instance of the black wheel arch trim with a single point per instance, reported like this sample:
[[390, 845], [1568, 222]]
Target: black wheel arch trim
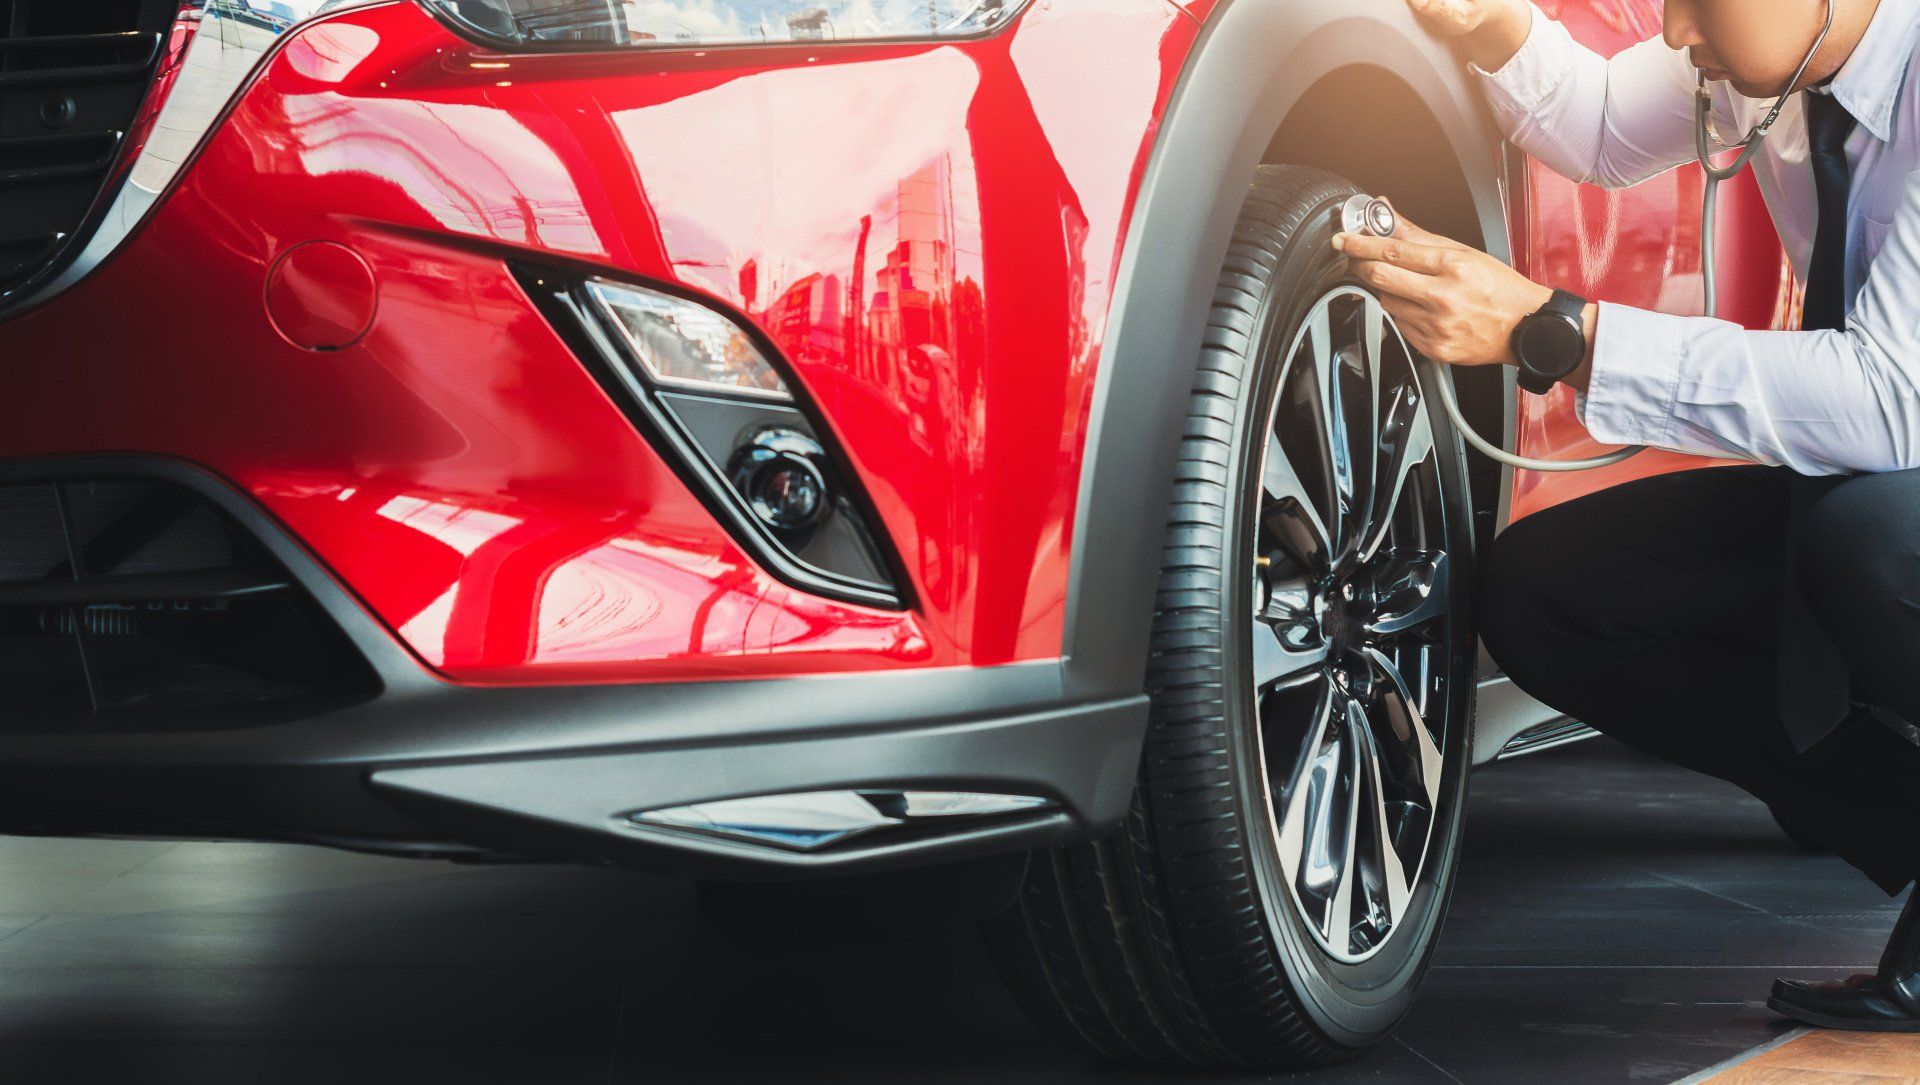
[[1254, 61]]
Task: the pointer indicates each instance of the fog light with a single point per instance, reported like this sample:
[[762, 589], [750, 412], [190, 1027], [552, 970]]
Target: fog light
[[788, 493], [779, 474]]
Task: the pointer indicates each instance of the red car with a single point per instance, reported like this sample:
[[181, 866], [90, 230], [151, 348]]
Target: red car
[[767, 437]]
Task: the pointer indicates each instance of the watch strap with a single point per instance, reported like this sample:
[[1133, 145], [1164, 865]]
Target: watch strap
[[1563, 304], [1537, 383], [1566, 303]]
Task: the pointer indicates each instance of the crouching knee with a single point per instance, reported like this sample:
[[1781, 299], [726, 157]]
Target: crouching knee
[[1860, 542], [1515, 603], [1858, 560]]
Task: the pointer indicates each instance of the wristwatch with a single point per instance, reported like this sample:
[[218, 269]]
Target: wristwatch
[[1551, 341]]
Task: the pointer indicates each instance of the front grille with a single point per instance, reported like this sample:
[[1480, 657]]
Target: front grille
[[134, 603], [73, 75]]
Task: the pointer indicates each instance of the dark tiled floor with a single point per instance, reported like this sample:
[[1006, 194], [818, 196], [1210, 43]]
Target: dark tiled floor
[[1616, 920]]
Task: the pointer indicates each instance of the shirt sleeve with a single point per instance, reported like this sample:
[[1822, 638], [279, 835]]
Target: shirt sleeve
[[1610, 121], [1818, 402]]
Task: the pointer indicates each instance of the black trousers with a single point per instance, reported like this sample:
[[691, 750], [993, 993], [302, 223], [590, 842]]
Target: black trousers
[[1651, 610]]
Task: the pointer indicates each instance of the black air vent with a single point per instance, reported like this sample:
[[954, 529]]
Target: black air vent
[[73, 74], [131, 603]]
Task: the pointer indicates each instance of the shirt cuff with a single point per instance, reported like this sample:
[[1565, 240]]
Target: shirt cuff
[[1637, 357], [1531, 74]]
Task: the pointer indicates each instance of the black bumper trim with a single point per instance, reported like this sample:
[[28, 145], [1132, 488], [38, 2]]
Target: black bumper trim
[[1083, 757], [548, 772]]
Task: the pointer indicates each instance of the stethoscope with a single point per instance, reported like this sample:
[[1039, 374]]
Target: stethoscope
[[1366, 214]]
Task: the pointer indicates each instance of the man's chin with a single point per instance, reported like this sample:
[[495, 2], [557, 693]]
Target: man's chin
[[1744, 87]]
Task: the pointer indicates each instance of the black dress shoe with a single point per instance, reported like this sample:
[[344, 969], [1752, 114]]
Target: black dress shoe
[[1884, 1001]]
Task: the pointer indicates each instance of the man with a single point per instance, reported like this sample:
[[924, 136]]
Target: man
[[1759, 622]]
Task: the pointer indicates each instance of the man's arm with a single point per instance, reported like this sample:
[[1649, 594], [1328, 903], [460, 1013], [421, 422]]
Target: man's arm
[[1613, 122], [1819, 402]]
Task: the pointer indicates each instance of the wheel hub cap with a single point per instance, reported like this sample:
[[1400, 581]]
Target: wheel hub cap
[[1347, 614]]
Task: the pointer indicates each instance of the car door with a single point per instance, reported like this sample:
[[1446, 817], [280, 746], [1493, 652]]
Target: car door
[[1638, 246]]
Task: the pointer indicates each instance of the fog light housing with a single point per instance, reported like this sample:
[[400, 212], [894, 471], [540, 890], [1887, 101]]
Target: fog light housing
[[711, 394]]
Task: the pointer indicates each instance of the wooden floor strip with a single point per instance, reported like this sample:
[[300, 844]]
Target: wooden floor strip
[[1703, 1076], [1824, 1057]]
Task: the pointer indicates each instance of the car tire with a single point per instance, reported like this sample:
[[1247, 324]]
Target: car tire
[[1213, 928]]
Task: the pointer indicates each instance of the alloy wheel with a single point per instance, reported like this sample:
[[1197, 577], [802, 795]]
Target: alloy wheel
[[1351, 624]]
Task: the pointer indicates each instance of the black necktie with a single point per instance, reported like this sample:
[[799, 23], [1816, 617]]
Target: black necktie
[[1828, 125], [1811, 687]]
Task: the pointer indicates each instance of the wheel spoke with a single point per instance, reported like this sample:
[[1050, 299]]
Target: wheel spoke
[[1406, 725], [1406, 439], [1373, 332], [1274, 661], [1339, 920], [1290, 772], [1287, 641], [1313, 802], [1317, 831], [1290, 514], [1329, 415], [1326, 372], [1412, 589], [1420, 674], [1392, 871]]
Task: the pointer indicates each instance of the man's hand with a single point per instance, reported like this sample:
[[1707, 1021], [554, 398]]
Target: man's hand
[[1454, 304], [1488, 31]]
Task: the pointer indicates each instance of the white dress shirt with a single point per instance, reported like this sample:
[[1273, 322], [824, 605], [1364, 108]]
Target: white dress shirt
[[1819, 402]]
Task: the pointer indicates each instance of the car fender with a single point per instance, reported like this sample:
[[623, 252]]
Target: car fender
[[1254, 60]]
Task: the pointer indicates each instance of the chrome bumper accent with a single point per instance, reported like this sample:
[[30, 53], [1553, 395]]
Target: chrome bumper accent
[[1546, 736], [1509, 723], [810, 820]]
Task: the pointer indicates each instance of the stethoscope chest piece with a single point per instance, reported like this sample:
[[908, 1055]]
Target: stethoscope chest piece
[[1364, 214]]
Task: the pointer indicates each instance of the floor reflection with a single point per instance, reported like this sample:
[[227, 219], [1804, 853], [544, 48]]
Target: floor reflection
[[1616, 920]]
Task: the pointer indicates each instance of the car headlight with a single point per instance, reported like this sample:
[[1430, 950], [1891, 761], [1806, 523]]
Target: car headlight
[[602, 24]]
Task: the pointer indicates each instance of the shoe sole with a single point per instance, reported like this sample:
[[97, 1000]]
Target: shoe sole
[[1848, 1024]]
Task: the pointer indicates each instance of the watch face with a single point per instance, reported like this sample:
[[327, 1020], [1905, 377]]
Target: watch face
[[1550, 344]]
